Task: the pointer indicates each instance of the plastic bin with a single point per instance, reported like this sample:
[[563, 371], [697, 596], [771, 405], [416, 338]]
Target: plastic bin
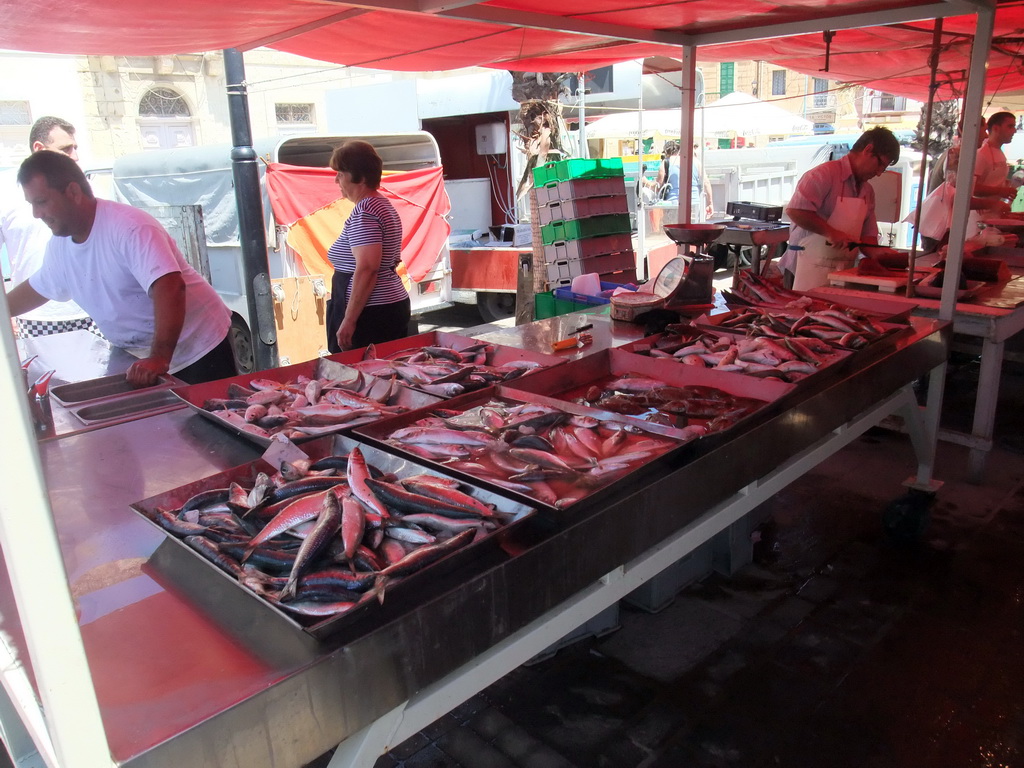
[[575, 229], [584, 300], [546, 305], [582, 208], [577, 168], [607, 262], [588, 247], [574, 189]]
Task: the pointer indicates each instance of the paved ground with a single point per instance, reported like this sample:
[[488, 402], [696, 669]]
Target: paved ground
[[838, 646]]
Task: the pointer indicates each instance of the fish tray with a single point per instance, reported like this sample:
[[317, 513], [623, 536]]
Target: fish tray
[[718, 322], [277, 634], [196, 394], [690, 333], [378, 433], [105, 387], [119, 409], [498, 354], [576, 375]]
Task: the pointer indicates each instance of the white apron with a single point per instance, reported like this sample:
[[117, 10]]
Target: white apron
[[818, 258]]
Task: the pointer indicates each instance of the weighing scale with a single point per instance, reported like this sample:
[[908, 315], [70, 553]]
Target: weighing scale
[[686, 281]]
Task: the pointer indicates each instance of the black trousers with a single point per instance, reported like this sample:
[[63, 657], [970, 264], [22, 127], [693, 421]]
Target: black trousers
[[218, 363], [381, 322]]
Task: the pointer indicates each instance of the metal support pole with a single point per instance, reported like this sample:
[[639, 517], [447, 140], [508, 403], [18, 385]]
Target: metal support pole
[[968, 151], [689, 88], [252, 228], [933, 62], [35, 567]]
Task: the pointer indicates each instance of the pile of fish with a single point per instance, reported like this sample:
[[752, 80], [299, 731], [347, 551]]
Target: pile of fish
[[547, 454], [320, 539], [445, 371], [754, 289], [840, 327], [787, 358], [698, 410], [305, 407]]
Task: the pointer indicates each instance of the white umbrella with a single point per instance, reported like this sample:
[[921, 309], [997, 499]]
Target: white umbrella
[[626, 125], [748, 116]]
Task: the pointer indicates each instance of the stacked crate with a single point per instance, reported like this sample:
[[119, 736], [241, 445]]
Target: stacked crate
[[584, 218]]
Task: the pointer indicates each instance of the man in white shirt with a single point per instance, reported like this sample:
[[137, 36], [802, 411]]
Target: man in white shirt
[[991, 171], [123, 268], [26, 237]]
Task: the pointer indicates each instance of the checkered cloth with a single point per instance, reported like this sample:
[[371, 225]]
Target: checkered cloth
[[29, 328]]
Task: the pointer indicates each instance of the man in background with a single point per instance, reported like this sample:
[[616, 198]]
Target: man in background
[[26, 236]]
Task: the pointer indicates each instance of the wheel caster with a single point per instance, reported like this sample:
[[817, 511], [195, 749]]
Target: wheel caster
[[907, 517]]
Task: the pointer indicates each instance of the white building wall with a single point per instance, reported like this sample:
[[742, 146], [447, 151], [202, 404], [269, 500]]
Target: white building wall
[[51, 86]]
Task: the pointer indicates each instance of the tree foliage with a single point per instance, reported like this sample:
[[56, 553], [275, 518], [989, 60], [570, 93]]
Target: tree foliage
[[945, 115], [539, 123]]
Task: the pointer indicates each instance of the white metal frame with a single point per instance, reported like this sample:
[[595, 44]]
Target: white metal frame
[[361, 750]]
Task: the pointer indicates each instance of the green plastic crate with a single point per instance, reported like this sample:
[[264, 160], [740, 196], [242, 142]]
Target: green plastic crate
[[577, 168], [576, 229], [547, 305]]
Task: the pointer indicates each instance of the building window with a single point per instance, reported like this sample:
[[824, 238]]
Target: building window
[[779, 82], [886, 102], [820, 93], [15, 113], [726, 78], [294, 115], [163, 102]]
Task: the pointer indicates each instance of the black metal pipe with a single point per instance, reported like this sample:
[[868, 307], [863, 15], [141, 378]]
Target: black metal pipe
[[251, 227]]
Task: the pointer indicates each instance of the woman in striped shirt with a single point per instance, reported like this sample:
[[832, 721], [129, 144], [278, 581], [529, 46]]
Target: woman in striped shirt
[[368, 304]]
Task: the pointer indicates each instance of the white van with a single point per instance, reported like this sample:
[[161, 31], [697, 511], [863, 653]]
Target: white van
[[176, 178]]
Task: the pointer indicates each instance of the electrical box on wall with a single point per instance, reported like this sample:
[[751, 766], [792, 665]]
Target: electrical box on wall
[[491, 139]]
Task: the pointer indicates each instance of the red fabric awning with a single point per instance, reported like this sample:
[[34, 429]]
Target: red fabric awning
[[309, 202], [516, 36]]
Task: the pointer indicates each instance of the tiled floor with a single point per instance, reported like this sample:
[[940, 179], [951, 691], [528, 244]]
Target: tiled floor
[[836, 647]]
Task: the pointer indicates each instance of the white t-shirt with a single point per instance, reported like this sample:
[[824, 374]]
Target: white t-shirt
[[110, 274], [25, 238], [990, 166]]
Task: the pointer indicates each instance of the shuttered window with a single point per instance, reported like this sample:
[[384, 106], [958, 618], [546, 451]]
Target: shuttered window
[[726, 78]]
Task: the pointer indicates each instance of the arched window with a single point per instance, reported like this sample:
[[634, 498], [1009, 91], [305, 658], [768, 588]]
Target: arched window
[[163, 102], [165, 120]]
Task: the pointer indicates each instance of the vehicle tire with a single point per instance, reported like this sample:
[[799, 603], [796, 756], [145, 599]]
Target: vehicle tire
[[495, 306], [241, 345]]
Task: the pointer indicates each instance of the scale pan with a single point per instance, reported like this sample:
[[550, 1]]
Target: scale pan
[[694, 234]]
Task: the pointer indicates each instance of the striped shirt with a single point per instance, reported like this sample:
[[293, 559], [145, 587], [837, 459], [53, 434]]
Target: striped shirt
[[373, 220]]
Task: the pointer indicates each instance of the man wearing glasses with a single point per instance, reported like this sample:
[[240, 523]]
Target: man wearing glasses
[[834, 206]]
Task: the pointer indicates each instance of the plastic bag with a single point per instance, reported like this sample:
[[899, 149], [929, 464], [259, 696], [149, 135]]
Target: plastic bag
[[936, 211]]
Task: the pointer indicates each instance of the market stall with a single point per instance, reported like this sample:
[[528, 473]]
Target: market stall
[[183, 680], [228, 704], [990, 312]]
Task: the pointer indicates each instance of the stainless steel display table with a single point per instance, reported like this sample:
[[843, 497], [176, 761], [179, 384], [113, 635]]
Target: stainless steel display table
[[179, 686], [993, 316], [81, 357]]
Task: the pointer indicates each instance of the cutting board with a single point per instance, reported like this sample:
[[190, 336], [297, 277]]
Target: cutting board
[[884, 284]]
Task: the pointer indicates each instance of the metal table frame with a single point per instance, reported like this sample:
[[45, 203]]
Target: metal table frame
[[362, 749], [400, 690], [992, 327]]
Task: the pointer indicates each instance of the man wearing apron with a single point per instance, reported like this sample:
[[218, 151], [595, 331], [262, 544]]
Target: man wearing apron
[[834, 206]]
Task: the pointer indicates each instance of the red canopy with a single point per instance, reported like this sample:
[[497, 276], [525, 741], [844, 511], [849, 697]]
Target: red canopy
[[308, 201], [537, 35]]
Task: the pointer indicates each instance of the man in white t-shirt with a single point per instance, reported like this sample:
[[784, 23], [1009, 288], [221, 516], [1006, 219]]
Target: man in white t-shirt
[[991, 171], [26, 237], [124, 269]]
